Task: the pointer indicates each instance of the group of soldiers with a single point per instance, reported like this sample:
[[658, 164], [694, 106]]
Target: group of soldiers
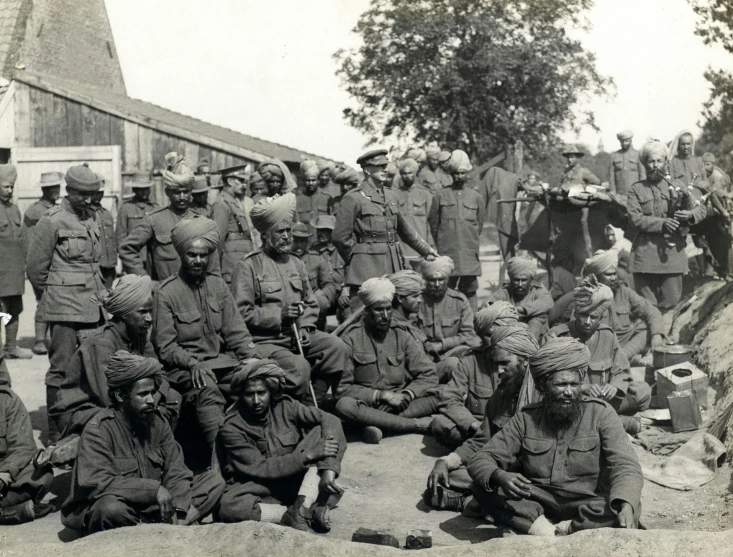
[[204, 382]]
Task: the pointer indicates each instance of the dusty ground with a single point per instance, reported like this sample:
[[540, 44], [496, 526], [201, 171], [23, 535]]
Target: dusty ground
[[384, 486]]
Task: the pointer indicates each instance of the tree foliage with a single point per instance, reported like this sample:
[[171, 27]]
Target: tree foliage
[[470, 74]]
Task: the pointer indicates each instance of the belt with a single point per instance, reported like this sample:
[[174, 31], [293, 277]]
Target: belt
[[381, 238]]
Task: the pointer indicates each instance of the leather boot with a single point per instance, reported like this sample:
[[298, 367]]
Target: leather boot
[[297, 516], [17, 514]]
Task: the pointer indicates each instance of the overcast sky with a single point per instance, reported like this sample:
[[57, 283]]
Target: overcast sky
[[265, 67]]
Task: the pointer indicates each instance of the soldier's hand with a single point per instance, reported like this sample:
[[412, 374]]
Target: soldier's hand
[[165, 503], [199, 373], [625, 517], [670, 225], [290, 313], [608, 392], [344, 300], [657, 340], [305, 337], [5, 480], [514, 484], [593, 391], [324, 448], [439, 476], [682, 216], [432, 348], [432, 254], [392, 398], [328, 483], [475, 426]]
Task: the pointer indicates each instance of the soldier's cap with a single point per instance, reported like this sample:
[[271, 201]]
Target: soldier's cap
[[240, 171], [444, 156], [375, 157], [81, 178], [202, 163], [50, 179], [128, 196], [324, 221], [219, 184], [140, 180], [8, 174], [572, 150], [301, 230], [200, 185]]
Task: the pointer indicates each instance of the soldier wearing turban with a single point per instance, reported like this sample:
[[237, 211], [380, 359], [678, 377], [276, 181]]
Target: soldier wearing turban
[[720, 207], [277, 176], [431, 176], [456, 219], [279, 461], [326, 180], [600, 481], [130, 431], [414, 202], [312, 201], [626, 166], [492, 315], [532, 301]]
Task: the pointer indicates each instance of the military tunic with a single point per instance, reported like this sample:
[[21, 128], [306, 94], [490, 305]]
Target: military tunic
[[332, 189], [320, 279], [108, 241], [201, 210], [32, 215], [235, 230], [433, 180], [129, 216], [626, 169], [310, 206], [12, 269], [414, 202], [448, 321], [537, 304], [687, 169]]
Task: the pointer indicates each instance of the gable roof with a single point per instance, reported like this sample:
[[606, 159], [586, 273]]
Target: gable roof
[[164, 120]]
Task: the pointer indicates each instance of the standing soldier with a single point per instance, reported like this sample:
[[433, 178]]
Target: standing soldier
[[106, 224], [626, 168], [12, 266], [154, 233], [369, 226], [64, 262], [134, 210], [200, 196], [326, 171], [50, 192], [456, 220], [414, 202], [312, 201], [231, 214], [204, 169], [431, 176], [574, 173]]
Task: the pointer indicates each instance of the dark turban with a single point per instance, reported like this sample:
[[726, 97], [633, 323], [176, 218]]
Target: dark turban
[[129, 293], [176, 173], [591, 296], [407, 282], [187, 231], [497, 314], [269, 370], [515, 339], [521, 266], [459, 162], [443, 265], [602, 261], [269, 212], [347, 177], [559, 354], [376, 290], [125, 368]]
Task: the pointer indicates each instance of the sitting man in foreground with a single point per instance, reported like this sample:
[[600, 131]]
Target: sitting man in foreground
[[570, 458], [274, 448], [391, 384], [129, 469]]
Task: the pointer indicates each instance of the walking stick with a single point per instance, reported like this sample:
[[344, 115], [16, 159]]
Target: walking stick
[[294, 328]]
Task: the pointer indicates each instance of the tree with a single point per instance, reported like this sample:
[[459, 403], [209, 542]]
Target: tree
[[472, 74]]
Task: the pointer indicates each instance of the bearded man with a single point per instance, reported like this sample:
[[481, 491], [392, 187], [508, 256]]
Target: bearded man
[[571, 461], [414, 202], [312, 202]]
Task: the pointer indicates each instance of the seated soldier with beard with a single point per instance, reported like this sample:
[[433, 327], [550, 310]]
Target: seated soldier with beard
[[511, 347], [129, 468], [569, 456], [276, 452]]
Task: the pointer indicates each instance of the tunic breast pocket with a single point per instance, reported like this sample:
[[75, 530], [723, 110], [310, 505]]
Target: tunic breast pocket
[[647, 206], [74, 242], [125, 466], [284, 444], [448, 209], [395, 370], [188, 325], [6, 230], [216, 307], [165, 250], [622, 318], [419, 209], [296, 283], [365, 369], [536, 457], [478, 395], [157, 463], [449, 325], [470, 211], [132, 223], [584, 458], [271, 291]]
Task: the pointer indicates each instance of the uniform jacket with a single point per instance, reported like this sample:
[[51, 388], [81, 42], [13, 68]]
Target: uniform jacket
[[202, 211], [310, 206], [30, 219], [198, 320], [334, 262], [107, 238], [17, 445], [433, 180], [594, 457], [368, 228], [456, 219], [648, 205], [268, 450], [683, 170], [332, 189], [320, 279], [84, 391], [63, 261], [538, 301], [12, 254], [626, 169], [448, 321], [397, 363], [235, 230], [263, 286], [111, 460], [579, 175], [414, 202], [129, 216]]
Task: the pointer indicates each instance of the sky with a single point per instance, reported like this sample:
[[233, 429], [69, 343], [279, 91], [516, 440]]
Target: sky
[[265, 67]]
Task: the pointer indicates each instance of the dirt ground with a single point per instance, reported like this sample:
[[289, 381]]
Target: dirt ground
[[383, 482]]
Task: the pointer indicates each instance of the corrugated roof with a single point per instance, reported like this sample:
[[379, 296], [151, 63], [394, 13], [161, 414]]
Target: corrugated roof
[[108, 101]]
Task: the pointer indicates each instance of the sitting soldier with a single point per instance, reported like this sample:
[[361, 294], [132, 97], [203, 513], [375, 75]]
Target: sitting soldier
[[391, 384], [319, 275], [273, 447], [197, 326], [533, 301], [409, 287], [22, 486], [274, 296], [636, 322], [598, 483], [449, 485], [608, 376], [129, 468], [84, 390], [445, 316]]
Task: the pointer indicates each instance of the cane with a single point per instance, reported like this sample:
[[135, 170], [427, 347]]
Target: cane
[[294, 328]]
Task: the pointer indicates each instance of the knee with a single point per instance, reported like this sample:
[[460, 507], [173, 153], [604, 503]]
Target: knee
[[209, 395], [445, 369], [239, 508], [347, 408], [641, 394], [111, 511], [445, 431]]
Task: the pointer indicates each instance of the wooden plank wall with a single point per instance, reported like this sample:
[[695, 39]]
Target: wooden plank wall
[[43, 119]]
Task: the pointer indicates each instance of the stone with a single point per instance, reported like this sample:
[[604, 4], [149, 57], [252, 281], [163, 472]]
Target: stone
[[375, 537], [419, 539]]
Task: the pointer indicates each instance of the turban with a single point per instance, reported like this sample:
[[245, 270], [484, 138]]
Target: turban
[[432, 151], [559, 354], [521, 266], [271, 211], [409, 164], [708, 157], [498, 314], [415, 153], [309, 169], [255, 178], [176, 173], [443, 265], [187, 231], [347, 177], [391, 168], [129, 294], [602, 261], [444, 156], [8, 174], [625, 134], [375, 290], [459, 161], [515, 339], [591, 297], [326, 165], [124, 368], [407, 282], [652, 148], [278, 169], [269, 370], [81, 178]]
